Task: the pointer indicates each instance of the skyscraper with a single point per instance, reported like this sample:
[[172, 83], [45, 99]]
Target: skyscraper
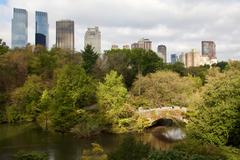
[[19, 28], [192, 59], [143, 43], [209, 49], [65, 34], [174, 58], [162, 52], [41, 35], [93, 38]]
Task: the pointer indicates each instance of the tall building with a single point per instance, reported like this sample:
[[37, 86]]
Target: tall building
[[19, 28], [192, 59], [114, 46], [93, 38], [134, 45], [143, 43], [174, 58], [41, 35], [209, 49], [126, 46], [162, 52], [65, 34]]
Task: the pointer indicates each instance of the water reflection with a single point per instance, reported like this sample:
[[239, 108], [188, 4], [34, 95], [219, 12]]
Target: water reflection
[[30, 137], [163, 138]]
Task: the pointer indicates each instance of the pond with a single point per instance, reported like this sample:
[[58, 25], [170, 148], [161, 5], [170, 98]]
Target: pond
[[29, 137]]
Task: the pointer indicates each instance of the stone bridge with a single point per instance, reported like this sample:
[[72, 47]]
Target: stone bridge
[[174, 113]]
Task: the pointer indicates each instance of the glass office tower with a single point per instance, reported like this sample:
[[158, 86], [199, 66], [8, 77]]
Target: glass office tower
[[65, 34], [41, 35], [19, 28]]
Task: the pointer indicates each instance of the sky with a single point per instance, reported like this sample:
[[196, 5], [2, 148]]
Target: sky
[[181, 25]]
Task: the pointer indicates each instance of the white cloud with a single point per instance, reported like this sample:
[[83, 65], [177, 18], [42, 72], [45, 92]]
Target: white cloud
[[180, 24]]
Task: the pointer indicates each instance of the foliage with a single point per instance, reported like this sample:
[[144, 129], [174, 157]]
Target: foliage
[[31, 156], [44, 109], [112, 96], [177, 67], [24, 100], [174, 154], [200, 72], [216, 118], [129, 63], [73, 87], [89, 124], [130, 149], [165, 88], [96, 153], [89, 57], [3, 47], [73, 90]]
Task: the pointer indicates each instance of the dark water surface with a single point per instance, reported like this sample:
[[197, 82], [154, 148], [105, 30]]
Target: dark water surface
[[29, 137]]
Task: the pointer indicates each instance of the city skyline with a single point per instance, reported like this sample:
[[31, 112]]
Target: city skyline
[[202, 22]]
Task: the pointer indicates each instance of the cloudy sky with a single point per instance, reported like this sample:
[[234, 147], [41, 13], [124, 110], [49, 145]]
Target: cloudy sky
[[179, 24]]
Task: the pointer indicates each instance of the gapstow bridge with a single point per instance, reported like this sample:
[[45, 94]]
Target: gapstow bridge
[[163, 114]]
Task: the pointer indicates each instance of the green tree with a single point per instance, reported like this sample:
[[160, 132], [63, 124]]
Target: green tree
[[44, 108], [165, 88], [111, 96], [216, 120], [3, 47], [73, 90], [89, 57], [24, 100]]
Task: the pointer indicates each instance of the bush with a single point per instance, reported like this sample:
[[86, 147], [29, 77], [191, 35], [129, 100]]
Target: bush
[[30, 156]]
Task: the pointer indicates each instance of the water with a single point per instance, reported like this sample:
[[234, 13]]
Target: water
[[29, 137]]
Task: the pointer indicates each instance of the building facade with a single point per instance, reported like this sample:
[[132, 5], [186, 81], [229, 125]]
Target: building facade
[[174, 58], [162, 52], [143, 43], [93, 38], [114, 46], [126, 46], [192, 59], [41, 35], [19, 28], [65, 34], [209, 49]]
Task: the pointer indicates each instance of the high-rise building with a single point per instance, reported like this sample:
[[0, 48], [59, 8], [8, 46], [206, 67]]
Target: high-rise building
[[143, 43], [181, 58], [134, 45], [209, 49], [162, 52], [192, 59], [93, 38], [174, 58], [65, 34], [114, 46], [41, 35], [19, 28], [126, 46]]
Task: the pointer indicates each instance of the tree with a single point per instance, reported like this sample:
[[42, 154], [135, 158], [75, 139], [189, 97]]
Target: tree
[[3, 47], [44, 109], [177, 67], [215, 119], [89, 57], [73, 90], [165, 88], [24, 100], [111, 96]]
